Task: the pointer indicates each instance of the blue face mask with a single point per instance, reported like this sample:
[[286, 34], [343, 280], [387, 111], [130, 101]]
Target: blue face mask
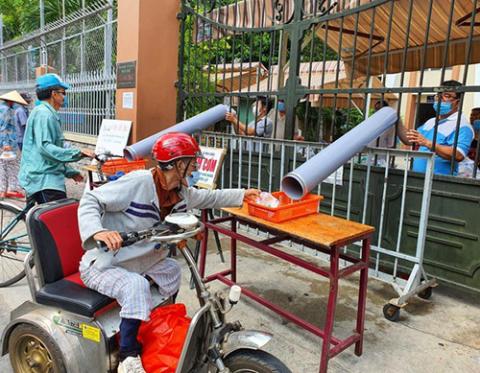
[[192, 180], [281, 106], [65, 101], [445, 107], [476, 125]]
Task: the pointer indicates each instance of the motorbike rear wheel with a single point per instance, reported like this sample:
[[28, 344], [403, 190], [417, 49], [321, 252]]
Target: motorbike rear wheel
[[254, 361], [32, 349]]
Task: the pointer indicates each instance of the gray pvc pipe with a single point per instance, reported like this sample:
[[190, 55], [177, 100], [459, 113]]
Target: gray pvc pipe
[[303, 179], [194, 124]]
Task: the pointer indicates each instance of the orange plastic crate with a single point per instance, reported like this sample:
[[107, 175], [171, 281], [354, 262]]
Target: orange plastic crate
[[113, 166], [288, 208]]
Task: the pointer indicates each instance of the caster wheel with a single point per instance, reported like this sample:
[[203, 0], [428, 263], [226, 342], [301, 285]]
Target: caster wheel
[[426, 294], [391, 312]]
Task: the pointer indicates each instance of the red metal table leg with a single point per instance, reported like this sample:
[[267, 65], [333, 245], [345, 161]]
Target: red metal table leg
[[203, 246], [332, 302], [233, 252], [362, 295]]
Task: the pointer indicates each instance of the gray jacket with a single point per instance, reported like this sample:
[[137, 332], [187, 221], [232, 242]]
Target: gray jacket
[[131, 204]]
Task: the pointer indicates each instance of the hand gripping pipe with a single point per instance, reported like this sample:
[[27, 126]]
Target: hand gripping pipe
[[194, 124], [303, 179]]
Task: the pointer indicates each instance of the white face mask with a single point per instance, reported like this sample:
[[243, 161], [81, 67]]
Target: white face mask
[[256, 111]]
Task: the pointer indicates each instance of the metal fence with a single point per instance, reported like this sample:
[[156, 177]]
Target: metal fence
[[81, 47], [388, 198], [331, 61]]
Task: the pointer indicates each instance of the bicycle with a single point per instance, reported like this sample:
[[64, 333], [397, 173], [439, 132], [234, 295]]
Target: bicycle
[[14, 242]]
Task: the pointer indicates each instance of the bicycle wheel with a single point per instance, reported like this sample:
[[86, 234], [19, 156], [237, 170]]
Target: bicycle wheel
[[14, 244]]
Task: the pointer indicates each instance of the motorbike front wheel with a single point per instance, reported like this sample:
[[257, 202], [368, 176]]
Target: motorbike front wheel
[[254, 361]]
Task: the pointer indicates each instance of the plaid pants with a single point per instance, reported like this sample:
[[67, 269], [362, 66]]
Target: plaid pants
[[132, 290], [9, 175]]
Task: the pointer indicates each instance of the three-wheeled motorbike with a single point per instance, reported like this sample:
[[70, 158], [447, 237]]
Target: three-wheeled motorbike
[[68, 328]]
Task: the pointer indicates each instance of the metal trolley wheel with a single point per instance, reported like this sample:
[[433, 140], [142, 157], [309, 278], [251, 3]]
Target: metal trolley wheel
[[32, 350], [391, 312], [426, 294]]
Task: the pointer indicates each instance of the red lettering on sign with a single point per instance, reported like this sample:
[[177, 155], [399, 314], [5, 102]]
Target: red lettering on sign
[[211, 166]]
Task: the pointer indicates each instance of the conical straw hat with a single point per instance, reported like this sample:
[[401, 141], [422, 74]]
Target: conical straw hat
[[13, 96]]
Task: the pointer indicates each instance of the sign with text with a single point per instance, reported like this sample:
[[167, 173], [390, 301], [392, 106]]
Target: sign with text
[[113, 136], [127, 74], [209, 167]]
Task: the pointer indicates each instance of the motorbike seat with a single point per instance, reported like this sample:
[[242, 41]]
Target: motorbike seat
[[55, 239]]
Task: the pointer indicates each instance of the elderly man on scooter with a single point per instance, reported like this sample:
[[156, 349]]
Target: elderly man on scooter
[[135, 202]]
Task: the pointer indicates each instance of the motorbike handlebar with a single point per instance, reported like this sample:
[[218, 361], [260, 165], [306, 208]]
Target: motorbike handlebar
[[158, 233]]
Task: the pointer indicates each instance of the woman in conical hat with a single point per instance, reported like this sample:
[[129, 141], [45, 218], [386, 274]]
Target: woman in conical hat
[[9, 159]]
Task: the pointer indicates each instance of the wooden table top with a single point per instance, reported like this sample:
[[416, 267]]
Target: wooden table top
[[321, 229]]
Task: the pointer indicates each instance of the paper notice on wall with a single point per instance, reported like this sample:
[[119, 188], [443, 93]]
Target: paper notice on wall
[[127, 100]]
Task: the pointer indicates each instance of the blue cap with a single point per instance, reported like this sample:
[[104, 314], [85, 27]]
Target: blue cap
[[50, 81]]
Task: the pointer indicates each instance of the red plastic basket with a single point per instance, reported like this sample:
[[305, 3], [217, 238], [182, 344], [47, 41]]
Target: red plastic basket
[[288, 208], [113, 166]]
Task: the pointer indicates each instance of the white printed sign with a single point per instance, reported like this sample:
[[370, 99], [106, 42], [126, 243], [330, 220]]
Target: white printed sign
[[113, 136], [209, 167]]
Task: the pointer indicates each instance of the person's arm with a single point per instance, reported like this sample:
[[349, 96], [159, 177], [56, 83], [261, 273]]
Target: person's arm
[[402, 133], [263, 126], [44, 134], [110, 197], [240, 128], [204, 198], [445, 151], [71, 172]]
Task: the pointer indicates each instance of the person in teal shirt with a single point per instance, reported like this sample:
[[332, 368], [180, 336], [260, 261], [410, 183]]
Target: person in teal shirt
[[44, 164]]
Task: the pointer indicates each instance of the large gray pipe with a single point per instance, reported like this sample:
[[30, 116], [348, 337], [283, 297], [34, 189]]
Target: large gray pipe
[[194, 124], [303, 179]]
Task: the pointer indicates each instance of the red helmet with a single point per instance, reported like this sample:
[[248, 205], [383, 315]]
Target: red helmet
[[175, 145]]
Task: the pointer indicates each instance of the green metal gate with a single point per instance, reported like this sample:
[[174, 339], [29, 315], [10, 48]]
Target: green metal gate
[[330, 62]]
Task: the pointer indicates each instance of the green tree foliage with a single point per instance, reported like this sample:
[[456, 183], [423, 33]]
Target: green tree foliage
[[23, 16], [335, 123]]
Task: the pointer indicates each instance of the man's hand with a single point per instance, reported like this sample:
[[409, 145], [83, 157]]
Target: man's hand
[[112, 239], [252, 194], [87, 153], [7, 148], [414, 136], [78, 178]]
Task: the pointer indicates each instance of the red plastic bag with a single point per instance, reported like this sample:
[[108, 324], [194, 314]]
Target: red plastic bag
[[162, 338]]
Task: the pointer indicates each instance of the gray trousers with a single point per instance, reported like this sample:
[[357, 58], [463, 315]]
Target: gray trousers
[[132, 290], [9, 175]]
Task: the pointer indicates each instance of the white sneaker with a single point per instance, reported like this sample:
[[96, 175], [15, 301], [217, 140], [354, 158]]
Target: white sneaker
[[131, 365]]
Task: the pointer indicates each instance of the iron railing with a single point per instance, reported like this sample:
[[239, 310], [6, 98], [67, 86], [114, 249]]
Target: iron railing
[[331, 61], [81, 47]]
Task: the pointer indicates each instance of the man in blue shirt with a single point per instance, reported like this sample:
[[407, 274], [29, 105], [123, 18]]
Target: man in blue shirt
[[446, 104]]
